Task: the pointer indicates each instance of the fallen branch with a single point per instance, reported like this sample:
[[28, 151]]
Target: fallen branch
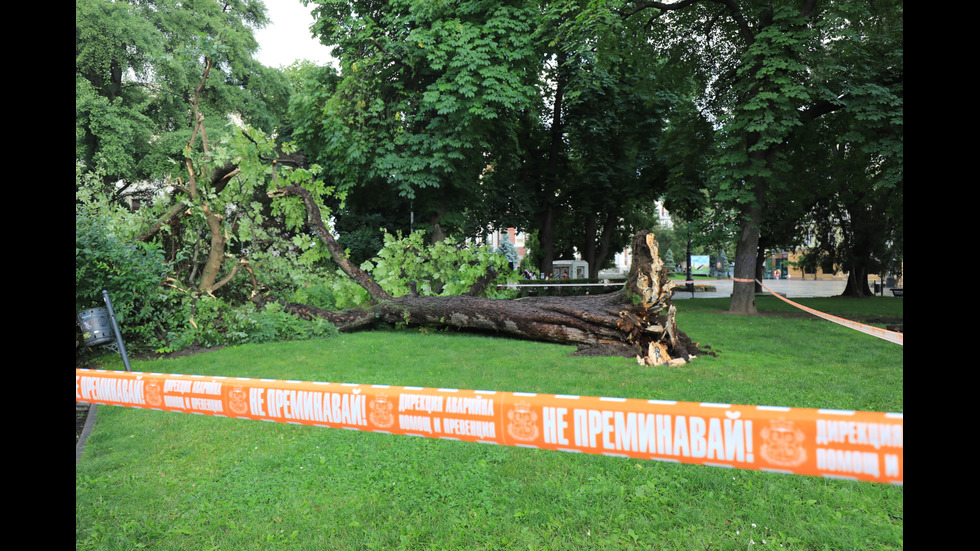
[[638, 320]]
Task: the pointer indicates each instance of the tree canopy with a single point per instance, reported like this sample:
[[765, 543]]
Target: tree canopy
[[476, 114], [759, 123], [136, 67], [426, 99], [769, 75]]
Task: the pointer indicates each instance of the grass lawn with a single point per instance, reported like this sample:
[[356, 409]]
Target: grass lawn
[[161, 480]]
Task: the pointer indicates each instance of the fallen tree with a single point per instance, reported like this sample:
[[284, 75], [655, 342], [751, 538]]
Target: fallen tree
[[638, 320]]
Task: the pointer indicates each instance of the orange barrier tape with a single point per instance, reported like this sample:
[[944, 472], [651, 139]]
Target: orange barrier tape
[[890, 336], [832, 443]]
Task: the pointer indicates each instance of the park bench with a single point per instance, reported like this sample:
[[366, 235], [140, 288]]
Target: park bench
[[897, 292]]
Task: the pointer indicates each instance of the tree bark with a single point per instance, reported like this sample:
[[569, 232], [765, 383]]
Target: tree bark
[[636, 321], [546, 239], [857, 284], [746, 250], [607, 235], [546, 219], [595, 241]]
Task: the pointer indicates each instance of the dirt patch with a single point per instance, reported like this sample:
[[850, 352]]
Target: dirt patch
[[81, 415], [632, 350]]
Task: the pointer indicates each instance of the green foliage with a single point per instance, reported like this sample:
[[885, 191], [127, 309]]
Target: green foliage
[[788, 84], [426, 101], [346, 293], [427, 120], [318, 294], [136, 63], [407, 264], [613, 119], [769, 95], [214, 322], [131, 273], [272, 324], [273, 232]]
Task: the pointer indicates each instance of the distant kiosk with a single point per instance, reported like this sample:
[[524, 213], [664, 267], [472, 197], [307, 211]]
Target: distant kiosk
[[570, 269]]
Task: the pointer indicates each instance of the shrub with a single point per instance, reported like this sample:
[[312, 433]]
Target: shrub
[[272, 324], [219, 323], [319, 294], [132, 273], [445, 268]]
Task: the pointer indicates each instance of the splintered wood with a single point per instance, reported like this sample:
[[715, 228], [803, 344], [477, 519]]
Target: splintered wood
[[651, 323]]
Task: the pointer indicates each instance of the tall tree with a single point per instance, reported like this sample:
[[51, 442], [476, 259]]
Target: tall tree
[[157, 83], [857, 218], [137, 64], [768, 72], [860, 217], [614, 119], [473, 114], [427, 101]]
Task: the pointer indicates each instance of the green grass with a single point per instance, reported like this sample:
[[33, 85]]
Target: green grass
[[161, 480]]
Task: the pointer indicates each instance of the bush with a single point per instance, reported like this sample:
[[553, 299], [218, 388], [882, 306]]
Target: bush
[[272, 324], [216, 322], [152, 318], [446, 268], [319, 294], [132, 273]]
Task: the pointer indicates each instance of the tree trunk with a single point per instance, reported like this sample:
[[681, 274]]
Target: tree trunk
[[595, 241], [636, 321], [589, 239], [546, 240], [760, 267], [746, 249], [857, 283], [546, 218], [607, 236], [216, 254]]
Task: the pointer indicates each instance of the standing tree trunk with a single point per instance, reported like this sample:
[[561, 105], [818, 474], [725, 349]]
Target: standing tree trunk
[[746, 252], [857, 284], [636, 321], [546, 218], [595, 241]]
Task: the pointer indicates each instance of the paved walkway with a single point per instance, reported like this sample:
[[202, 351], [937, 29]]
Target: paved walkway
[[789, 288]]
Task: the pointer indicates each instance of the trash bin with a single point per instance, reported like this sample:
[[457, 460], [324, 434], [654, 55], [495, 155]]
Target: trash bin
[[96, 326]]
